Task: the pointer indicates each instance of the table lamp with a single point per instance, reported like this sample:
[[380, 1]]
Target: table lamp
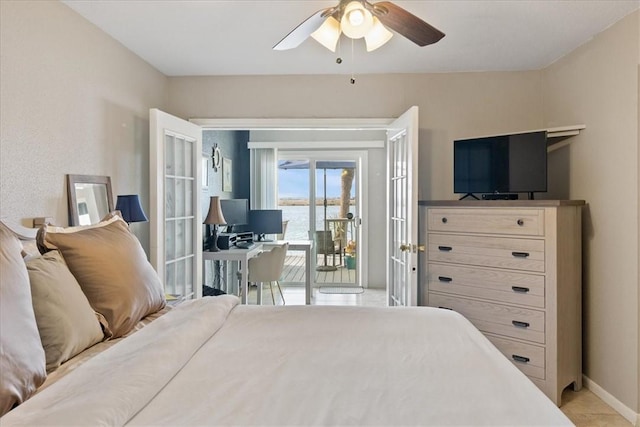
[[130, 208], [214, 218]]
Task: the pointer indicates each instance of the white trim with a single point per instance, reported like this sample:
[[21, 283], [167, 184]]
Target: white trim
[[284, 124], [628, 413], [316, 145], [552, 133]]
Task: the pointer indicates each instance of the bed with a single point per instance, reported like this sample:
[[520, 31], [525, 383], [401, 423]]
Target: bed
[[213, 361]]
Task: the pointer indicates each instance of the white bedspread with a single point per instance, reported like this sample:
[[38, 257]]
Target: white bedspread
[[213, 362]]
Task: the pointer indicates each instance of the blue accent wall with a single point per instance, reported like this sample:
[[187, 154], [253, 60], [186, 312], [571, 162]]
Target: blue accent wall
[[233, 146]]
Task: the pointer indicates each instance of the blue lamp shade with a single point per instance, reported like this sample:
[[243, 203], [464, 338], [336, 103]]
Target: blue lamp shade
[[129, 206]]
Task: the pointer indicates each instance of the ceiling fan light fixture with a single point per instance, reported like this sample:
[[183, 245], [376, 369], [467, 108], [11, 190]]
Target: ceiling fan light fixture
[[356, 22], [378, 35], [328, 33]]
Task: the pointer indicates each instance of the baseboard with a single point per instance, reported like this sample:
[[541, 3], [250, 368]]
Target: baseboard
[[628, 413]]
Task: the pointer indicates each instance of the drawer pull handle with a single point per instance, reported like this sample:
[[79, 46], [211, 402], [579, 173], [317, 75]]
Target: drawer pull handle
[[445, 248], [519, 324], [521, 359], [445, 279], [520, 289], [520, 254], [444, 220], [445, 308], [520, 222]]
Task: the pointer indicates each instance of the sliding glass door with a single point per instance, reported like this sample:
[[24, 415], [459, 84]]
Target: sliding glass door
[[319, 197]]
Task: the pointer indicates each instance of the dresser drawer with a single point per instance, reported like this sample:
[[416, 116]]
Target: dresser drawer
[[518, 222], [495, 318], [528, 358], [500, 252], [498, 285]]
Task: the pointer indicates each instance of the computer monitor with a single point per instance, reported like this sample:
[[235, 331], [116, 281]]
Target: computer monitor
[[265, 221], [235, 212]]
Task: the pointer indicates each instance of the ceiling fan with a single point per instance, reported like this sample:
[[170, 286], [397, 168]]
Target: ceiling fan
[[361, 19]]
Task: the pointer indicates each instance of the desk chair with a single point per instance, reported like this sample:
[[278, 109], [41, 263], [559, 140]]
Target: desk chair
[[268, 267]]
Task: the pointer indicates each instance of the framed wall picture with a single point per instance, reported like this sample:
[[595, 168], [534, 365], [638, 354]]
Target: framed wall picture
[[227, 174], [205, 172]]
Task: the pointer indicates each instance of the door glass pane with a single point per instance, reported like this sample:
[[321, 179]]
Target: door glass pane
[[180, 277], [179, 156], [169, 198], [188, 279], [180, 241], [170, 241], [170, 279], [188, 238], [189, 159], [169, 165], [293, 198], [180, 197], [188, 199]]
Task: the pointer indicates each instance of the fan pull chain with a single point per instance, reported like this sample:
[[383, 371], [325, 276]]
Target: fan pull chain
[[353, 60], [339, 58]]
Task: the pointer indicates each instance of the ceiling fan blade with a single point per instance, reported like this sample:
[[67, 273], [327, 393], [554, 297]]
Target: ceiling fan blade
[[406, 24], [303, 31]]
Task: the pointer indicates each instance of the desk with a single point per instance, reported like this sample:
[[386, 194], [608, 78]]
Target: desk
[[234, 254], [244, 255], [299, 245]]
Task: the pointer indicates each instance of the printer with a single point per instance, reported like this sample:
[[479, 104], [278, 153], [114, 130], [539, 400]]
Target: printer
[[227, 240]]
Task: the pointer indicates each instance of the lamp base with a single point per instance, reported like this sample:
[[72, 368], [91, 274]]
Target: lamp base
[[212, 241]]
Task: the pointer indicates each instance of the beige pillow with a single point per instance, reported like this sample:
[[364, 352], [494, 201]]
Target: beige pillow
[[66, 321], [112, 270], [22, 359]]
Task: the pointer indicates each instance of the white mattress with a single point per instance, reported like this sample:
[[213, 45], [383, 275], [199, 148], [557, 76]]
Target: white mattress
[[213, 362]]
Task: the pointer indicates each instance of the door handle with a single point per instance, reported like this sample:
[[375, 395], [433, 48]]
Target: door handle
[[405, 248]]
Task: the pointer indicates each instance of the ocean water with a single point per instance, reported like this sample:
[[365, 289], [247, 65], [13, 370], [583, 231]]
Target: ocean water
[[298, 216]]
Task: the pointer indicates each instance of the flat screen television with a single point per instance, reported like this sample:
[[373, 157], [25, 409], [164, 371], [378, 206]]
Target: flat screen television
[[235, 212], [265, 221], [501, 164]]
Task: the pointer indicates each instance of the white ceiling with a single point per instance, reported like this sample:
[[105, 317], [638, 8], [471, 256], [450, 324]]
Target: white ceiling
[[211, 37]]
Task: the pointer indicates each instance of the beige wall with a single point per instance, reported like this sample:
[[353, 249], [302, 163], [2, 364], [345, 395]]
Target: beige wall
[[597, 85], [74, 101], [451, 106]]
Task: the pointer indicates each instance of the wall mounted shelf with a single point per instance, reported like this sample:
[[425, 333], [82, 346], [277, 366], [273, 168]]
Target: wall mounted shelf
[[557, 137]]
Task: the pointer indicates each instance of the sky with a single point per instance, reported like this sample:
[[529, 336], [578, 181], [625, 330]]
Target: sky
[[294, 183]]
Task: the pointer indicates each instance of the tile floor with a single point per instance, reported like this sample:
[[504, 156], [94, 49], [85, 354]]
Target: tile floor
[[585, 409], [294, 295]]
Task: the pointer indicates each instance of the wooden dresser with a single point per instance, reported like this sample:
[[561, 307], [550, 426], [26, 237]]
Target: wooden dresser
[[513, 268]]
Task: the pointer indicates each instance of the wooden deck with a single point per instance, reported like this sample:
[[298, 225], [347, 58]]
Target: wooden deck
[[294, 271]]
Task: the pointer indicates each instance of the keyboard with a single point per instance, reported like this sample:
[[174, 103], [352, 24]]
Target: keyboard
[[245, 245]]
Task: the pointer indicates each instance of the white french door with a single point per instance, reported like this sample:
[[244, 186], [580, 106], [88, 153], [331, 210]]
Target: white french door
[[402, 168], [176, 216]]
